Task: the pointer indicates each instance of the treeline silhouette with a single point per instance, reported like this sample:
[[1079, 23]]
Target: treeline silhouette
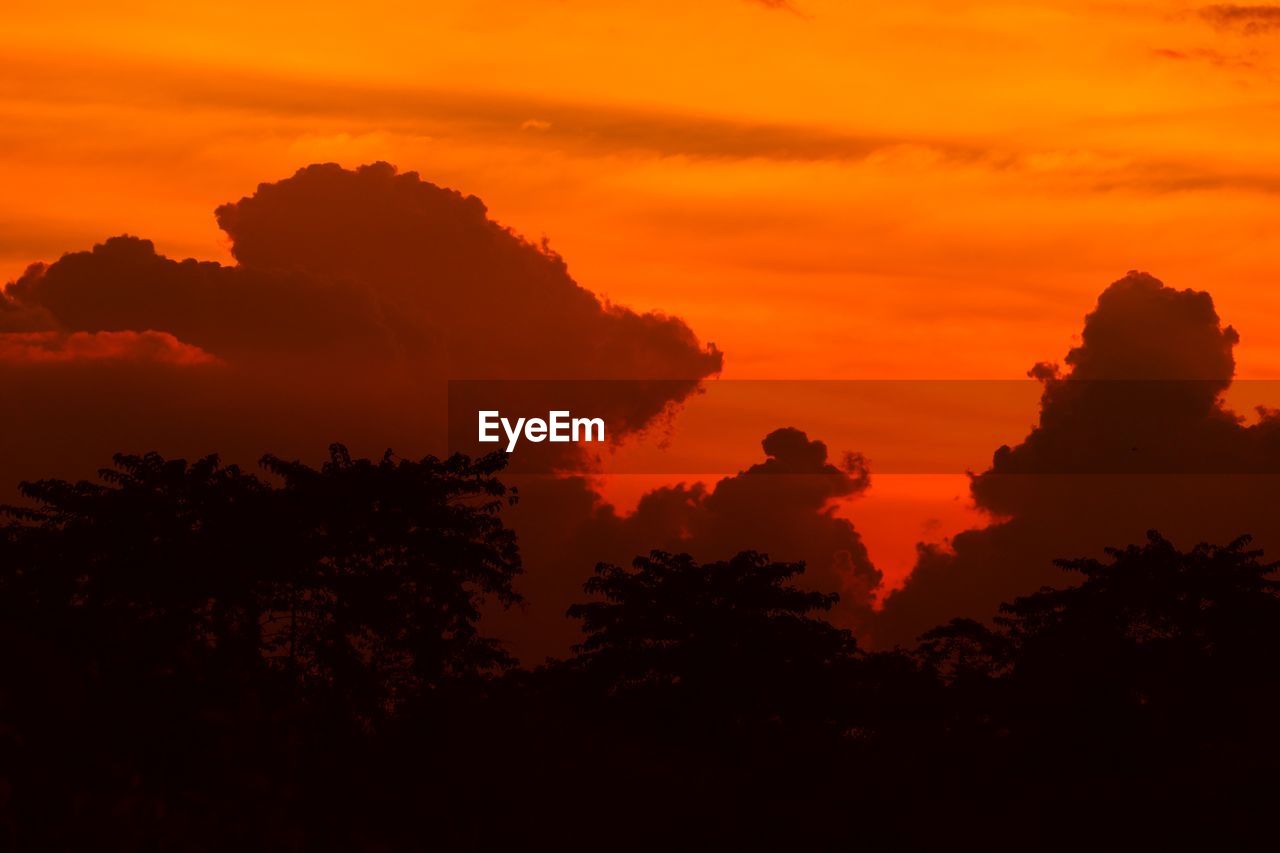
[[198, 658]]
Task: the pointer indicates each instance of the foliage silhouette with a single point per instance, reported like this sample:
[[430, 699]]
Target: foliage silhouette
[[180, 634], [733, 639], [388, 565], [196, 658], [1149, 688]]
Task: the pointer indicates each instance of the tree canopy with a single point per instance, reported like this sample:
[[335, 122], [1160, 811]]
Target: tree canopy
[[195, 657]]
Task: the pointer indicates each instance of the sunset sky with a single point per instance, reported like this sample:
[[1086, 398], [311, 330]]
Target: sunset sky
[[825, 190]]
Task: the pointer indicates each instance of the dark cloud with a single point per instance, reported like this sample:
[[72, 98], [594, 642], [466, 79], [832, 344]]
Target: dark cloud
[[1251, 20], [356, 295], [492, 304], [1133, 435], [501, 306], [357, 268], [15, 317], [782, 506], [360, 289], [122, 284]]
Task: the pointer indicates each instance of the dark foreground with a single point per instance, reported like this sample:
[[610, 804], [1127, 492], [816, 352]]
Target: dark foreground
[[194, 658]]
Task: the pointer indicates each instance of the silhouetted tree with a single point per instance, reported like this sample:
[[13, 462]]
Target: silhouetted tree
[[965, 650], [192, 657], [162, 557], [970, 659], [733, 639], [1155, 642], [389, 563], [1150, 687], [190, 640], [130, 666]]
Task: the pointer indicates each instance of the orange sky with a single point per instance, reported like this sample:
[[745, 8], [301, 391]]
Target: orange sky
[[826, 190]]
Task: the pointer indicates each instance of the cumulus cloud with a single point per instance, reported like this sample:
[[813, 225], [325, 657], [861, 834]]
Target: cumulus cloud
[[367, 265], [783, 506], [123, 284], [366, 270], [23, 318], [504, 307], [355, 295], [1133, 434]]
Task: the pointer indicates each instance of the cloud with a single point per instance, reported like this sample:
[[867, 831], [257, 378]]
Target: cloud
[[783, 506], [355, 296], [46, 347], [593, 128], [1216, 58], [123, 284], [363, 269], [1133, 435], [15, 317], [1251, 20], [499, 305]]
